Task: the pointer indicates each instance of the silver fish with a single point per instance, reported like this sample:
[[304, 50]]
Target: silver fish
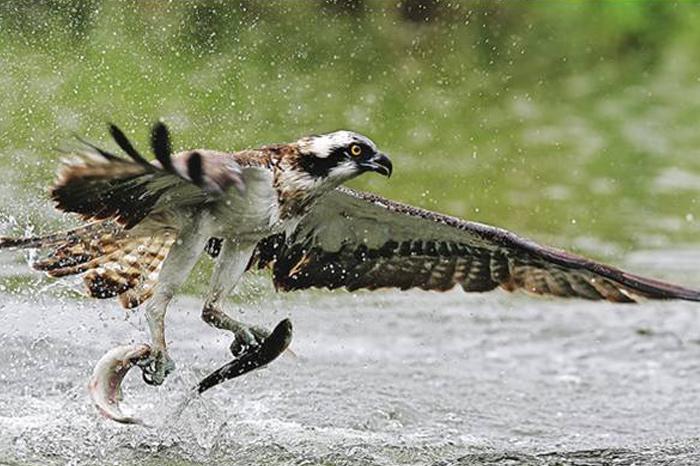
[[105, 385]]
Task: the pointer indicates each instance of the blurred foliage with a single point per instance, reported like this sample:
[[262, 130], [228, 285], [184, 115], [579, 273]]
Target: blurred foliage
[[560, 120]]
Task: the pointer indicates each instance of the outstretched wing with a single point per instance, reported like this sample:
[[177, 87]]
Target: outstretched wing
[[100, 185], [358, 240]]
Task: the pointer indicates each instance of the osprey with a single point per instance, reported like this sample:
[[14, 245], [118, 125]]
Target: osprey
[[279, 207]]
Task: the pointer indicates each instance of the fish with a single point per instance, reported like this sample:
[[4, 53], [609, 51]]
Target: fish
[[109, 372], [107, 376], [254, 358]]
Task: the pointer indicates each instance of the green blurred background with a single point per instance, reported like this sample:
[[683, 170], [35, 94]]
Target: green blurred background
[[574, 123]]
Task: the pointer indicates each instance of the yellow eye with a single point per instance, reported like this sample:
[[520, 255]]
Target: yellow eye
[[355, 150]]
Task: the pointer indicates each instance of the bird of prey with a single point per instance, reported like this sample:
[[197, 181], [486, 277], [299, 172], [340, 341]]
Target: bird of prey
[[281, 207]]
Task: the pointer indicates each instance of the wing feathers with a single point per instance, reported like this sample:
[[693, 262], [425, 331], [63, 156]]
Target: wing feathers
[[114, 262], [194, 168], [100, 185], [107, 155], [387, 244], [125, 145], [160, 142]]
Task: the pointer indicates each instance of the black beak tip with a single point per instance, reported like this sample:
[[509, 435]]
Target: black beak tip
[[378, 163], [384, 165]]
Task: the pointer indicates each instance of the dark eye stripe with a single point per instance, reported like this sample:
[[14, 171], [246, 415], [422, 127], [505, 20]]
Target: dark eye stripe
[[320, 167]]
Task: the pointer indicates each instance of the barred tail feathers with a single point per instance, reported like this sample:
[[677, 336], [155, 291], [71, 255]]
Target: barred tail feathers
[[130, 272], [114, 262]]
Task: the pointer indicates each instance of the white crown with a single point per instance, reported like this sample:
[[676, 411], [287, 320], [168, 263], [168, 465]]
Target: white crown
[[322, 146]]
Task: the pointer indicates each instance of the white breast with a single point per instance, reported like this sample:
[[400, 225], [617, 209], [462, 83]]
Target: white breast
[[255, 212]]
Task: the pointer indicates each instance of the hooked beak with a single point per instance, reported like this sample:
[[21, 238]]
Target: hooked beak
[[379, 163]]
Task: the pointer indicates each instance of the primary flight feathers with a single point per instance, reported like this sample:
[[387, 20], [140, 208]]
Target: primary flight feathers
[[359, 240], [100, 185]]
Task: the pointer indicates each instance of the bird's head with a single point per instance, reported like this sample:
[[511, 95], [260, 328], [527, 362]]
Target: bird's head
[[340, 156]]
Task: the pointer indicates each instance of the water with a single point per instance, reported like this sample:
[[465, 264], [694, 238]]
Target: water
[[376, 378]]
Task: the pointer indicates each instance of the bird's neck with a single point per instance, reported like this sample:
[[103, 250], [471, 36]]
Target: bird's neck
[[298, 190]]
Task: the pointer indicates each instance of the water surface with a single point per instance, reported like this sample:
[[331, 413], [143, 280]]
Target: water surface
[[378, 378]]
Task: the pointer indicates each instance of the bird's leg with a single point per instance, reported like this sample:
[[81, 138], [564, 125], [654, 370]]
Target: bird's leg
[[176, 267], [158, 365], [230, 266], [244, 336]]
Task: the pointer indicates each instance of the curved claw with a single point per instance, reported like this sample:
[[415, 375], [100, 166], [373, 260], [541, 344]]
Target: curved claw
[[256, 356], [105, 385], [247, 340], [156, 367]]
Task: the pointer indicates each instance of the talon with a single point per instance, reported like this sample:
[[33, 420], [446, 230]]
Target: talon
[[156, 367], [247, 338], [257, 356], [105, 385]]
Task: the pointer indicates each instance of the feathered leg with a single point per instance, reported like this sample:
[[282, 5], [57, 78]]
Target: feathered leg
[[177, 266], [230, 266]]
